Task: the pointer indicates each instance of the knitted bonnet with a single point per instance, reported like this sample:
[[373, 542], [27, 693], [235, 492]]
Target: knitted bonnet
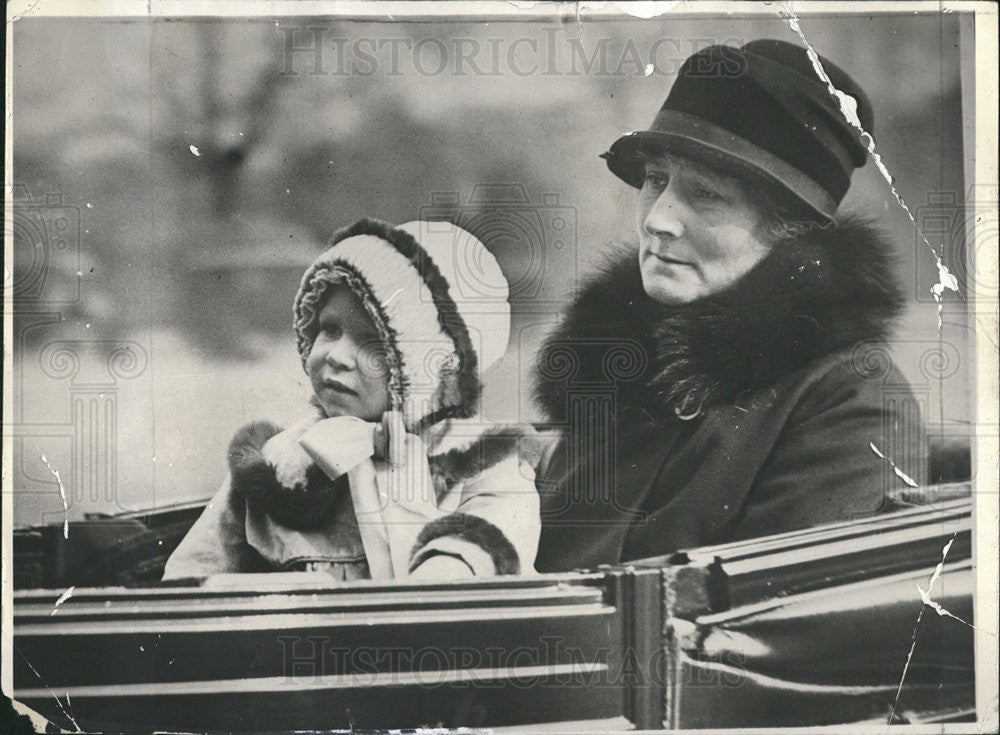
[[437, 299]]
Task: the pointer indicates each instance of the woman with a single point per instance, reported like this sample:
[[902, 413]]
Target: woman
[[728, 378]]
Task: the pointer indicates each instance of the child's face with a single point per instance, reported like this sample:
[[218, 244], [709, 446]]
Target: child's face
[[347, 364]]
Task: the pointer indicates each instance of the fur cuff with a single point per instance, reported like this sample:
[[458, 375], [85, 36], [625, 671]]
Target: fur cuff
[[303, 506], [475, 530], [466, 450]]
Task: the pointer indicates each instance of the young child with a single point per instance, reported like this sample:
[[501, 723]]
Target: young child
[[392, 473]]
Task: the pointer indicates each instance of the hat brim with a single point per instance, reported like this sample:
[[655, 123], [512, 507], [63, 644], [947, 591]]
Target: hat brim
[[678, 131]]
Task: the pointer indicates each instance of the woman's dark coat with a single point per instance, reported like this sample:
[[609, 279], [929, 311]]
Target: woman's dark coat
[[767, 407]]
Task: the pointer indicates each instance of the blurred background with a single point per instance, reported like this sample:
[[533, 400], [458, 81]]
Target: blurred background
[[174, 177]]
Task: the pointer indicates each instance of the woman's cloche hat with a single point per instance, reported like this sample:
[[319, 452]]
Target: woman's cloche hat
[[765, 107]]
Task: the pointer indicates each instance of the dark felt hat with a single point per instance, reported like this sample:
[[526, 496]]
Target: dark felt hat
[[765, 106]]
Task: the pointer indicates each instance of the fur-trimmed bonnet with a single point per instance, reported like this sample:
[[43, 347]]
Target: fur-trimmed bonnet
[[438, 300]]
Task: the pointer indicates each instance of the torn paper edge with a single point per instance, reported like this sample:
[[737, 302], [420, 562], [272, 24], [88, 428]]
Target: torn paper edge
[[925, 597], [401, 10], [37, 721], [916, 627], [62, 494], [62, 598], [898, 472], [25, 12], [59, 703], [928, 602], [646, 11], [980, 73]]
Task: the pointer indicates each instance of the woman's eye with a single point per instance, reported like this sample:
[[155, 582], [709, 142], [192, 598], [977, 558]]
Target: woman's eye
[[331, 330], [655, 180], [707, 195]]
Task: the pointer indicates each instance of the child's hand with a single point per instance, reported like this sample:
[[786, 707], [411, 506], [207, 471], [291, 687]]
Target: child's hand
[[283, 452], [391, 439], [339, 444]]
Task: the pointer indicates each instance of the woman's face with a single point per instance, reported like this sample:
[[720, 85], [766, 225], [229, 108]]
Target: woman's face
[[697, 231], [347, 364]]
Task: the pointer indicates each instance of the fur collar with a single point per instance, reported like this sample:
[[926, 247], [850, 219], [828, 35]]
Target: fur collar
[[810, 296]]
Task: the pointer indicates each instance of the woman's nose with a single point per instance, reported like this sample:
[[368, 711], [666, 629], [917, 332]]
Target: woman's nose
[[663, 219]]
